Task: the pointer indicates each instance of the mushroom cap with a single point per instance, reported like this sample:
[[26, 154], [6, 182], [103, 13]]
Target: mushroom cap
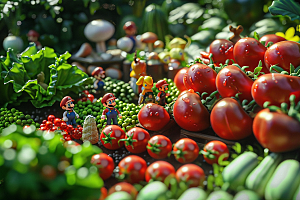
[[125, 44], [148, 37], [153, 56], [99, 30], [158, 44], [33, 33]]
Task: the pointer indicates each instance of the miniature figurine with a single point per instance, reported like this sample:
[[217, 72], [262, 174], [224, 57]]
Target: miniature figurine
[[130, 30], [162, 86], [147, 94], [236, 33], [138, 68], [111, 112], [33, 36], [69, 115], [99, 74]]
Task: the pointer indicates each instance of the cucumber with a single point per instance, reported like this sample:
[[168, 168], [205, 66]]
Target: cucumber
[[237, 171], [259, 177], [246, 195], [219, 195], [121, 195], [193, 194], [284, 182], [297, 194], [155, 190]]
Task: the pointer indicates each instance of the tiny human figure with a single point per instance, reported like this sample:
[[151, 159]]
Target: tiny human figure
[[130, 31], [162, 86], [69, 115], [33, 36], [99, 74], [111, 112], [147, 94]]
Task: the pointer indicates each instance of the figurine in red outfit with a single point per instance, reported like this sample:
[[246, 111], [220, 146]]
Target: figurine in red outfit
[[162, 86], [130, 30], [111, 112], [69, 115], [99, 74], [33, 36]]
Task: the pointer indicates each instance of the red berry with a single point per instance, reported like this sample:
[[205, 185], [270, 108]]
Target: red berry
[[49, 124], [51, 118], [67, 137], [85, 92], [44, 121], [63, 126], [69, 128], [54, 128], [57, 122]]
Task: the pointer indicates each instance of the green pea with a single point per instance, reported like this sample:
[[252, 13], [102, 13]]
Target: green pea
[[134, 117], [124, 124], [102, 121], [27, 116], [13, 110], [19, 121], [89, 111], [37, 125], [6, 124], [95, 114], [133, 121], [128, 128], [29, 121], [11, 119], [84, 113], [99, 125], [137, 121]]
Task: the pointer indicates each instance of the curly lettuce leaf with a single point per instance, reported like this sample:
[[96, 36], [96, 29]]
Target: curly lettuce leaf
[[285, 7]]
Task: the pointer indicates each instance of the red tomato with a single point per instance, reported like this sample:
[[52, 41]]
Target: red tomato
[[69, 128], [44, 121], [185, 150], [276, 131], [271, 38], [248, 52], [159, 171], [222, 50], [136, 140], [54, 128], [57, 122], [230, 121], [110, 137], [231, 80], [178, 79], [275, 88], [104, 163], [153, 117], [192, 174], [63, 126], [201, 78], [67, 137], [103, 194], [189, 113], [51, 118], [159, 147], [214, 150], [49, 125], [134, 168], [283, 54], [76, 134], [123, 186]]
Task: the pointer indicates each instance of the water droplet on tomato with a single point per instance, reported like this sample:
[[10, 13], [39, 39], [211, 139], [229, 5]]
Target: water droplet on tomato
[[277, 48], [191, 80], [198, 72], [200, 81], [207, 71], [191, 110], [194, 103], [229, 86], [264, 81], [276, 81], [228, 73], [278, 53], [150, 113], [156, 114], [225, 82], [195, 124], [193, 68], [185, 117], [233, 80], [246, 51], [291, 80], [186, 100]]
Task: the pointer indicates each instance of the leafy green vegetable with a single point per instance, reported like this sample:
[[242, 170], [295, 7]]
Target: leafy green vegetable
[[285, 7], [19, 80]]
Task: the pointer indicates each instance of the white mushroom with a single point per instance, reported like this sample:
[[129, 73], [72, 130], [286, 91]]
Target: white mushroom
[[99, 31], [125, 44]]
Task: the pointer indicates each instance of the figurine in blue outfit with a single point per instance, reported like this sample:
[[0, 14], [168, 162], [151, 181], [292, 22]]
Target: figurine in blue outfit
[[111, 112], [69, 115], [99, 74]]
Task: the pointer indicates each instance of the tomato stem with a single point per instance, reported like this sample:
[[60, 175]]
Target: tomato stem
[[154, 147], [129, 141], [107, 138]]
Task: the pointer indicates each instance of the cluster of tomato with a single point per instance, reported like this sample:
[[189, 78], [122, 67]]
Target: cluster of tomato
[[228, 117], [85, 95], [54, 124]]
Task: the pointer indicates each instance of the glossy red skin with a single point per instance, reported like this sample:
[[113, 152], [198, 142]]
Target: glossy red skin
[[217, 146], [104, 163], [231, 80], [76, 134], [117, 132], [189, 113], [275, 88], [159, 171], [191, 173], [200, 78], [283, 54], [276, 131], [189, 147], [123, 186], [103, 193], [57, 122], [51, 118], [135, 167], [141, 136], [271, 38], [229, 121], [49, 124], [153, 117], [178, 79], [222, 50], [248, 52], [166, 146]]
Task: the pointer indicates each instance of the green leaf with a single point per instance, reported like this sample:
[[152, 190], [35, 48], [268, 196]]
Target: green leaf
[[285, 7], [256, 36], [257, 70], [94, 6]]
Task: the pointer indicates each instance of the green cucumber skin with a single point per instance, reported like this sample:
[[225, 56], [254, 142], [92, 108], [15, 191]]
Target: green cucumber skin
[[219, 195], [237, 171], [297, 194], [246, 195], [193, 194], [259, 177], [153, 191], [284, 181], [121, 195]]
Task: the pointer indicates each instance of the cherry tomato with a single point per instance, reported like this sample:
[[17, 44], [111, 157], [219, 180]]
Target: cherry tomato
[[230, 121], [185, 150], [76, 134], [136, 140], [110, 137], [192, 174], [222, 50], [104, 163], [159, 147], [123, 186], [69, 128], [44, 121], [133, 167], [51, 118], [57, 122], [67, 137], [153, 117], [178, 79], [213, 150], [54, 128], [231, 80], [283, 54], [271, 38], [159, 171], [49, 125], [189, 113], [63, 126]]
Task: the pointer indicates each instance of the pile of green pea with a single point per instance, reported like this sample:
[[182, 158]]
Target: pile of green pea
[[172, 90], [128, 111], [14, 116]]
